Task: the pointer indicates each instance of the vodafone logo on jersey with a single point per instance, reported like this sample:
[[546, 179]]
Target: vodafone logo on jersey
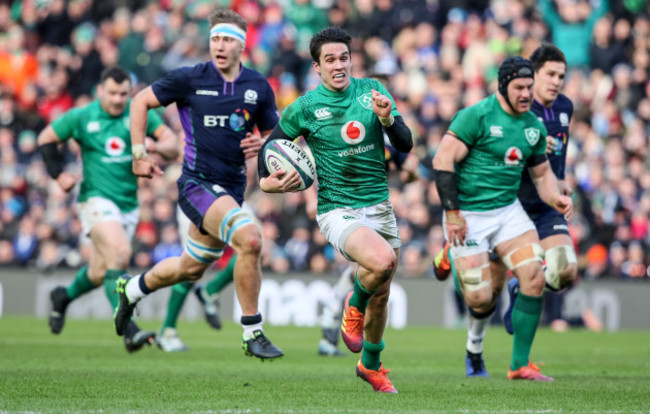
[[513, 156], [353, 132], [115, 146]]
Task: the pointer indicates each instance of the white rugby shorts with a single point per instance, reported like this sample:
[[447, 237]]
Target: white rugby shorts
[[337, 225]]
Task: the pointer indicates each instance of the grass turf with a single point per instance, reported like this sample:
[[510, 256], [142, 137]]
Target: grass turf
[[86, 369]]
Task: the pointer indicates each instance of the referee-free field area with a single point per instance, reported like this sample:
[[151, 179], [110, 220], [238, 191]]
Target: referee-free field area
[[86, 369]]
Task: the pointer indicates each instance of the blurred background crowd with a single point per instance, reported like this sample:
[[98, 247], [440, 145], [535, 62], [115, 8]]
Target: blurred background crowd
[[439, 55]]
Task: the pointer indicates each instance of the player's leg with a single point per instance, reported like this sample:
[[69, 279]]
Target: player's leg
[[111, 240], [371, 240], [90, 214], [226, 220], [479, 285], [561, 262], [200, 251], [377, 264], [523, 255], [560, 268], [330, 320]]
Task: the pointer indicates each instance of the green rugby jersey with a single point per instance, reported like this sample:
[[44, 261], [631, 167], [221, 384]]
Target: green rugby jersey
[[499, 146], [347, 141], [105, 143]]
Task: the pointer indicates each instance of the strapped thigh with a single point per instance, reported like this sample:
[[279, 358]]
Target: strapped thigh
[[202, 253], [232, 221], [475, 278], [557, 259], [529, 253]]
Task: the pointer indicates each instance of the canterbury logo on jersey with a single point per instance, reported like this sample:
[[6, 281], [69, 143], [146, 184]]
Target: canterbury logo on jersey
[[93, 126], [496, 131], [322, 114]]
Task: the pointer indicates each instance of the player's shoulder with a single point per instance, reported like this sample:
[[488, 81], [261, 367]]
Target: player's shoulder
[[562, 103], [91, 110], [482, 108], [252, 74], [198, 71]]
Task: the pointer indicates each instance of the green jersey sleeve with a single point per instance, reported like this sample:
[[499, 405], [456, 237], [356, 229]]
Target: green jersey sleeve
[[292, 120], [154, 121], [466, 125], [66, 125]]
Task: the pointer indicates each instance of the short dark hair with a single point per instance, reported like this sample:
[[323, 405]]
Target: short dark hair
[[227, 16], [332, 34], [117, 73], [546, 53]]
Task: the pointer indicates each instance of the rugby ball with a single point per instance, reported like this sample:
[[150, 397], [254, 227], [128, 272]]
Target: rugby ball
[[282, 154]]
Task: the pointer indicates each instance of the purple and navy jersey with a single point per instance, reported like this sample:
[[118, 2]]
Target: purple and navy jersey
[[216, 115], [556, 119]]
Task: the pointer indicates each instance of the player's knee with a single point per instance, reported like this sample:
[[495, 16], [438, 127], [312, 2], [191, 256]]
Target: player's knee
[[568, 275], [561, 266], [249, 242], [192, 271], [384, 266], [479, 299]]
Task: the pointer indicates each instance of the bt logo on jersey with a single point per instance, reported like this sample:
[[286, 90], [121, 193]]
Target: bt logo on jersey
[[215, 120]]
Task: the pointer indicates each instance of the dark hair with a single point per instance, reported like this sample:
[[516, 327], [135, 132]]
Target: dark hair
[[332, 34], [512, 68], [546, 53], [116, 73], [227, 16]]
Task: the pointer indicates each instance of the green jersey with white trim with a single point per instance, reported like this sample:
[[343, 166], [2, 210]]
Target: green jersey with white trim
[[499, 146], [347, 141], [105, 143]]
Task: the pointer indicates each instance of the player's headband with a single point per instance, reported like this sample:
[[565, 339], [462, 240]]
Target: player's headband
[[229, 30]]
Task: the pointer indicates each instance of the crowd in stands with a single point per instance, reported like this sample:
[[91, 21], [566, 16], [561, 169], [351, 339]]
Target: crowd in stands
[[440, 56]]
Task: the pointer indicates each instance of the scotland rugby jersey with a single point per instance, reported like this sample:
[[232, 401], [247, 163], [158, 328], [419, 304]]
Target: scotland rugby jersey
[[216, 115], [556, 120]]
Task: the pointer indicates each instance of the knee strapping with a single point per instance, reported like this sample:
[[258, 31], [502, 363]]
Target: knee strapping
[[475, 278], [202, 253], [232, 221], [557, 259], [524, 255]]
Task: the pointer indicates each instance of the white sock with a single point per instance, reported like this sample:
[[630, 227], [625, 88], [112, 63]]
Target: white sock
[[133, 291], [476, 333], [249, 329]]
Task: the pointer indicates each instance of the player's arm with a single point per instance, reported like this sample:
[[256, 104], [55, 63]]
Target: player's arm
[[253, 142], [48, 142], [143, 165], [547, 185], [451, 151], [279, 181], [398, 133], [166, 143]]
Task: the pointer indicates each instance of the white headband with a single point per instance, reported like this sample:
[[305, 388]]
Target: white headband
[[228, 30]]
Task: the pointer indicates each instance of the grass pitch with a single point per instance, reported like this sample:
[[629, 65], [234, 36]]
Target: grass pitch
[[86, 369]]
